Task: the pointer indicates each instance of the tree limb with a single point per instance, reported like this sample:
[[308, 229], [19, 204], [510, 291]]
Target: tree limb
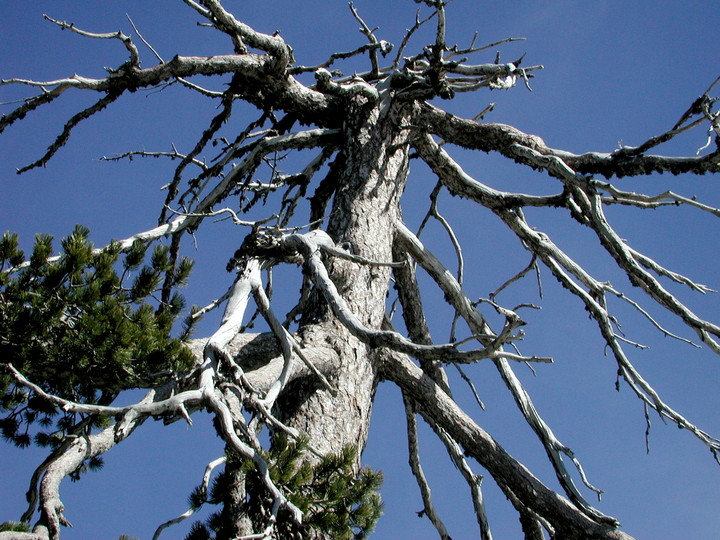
[[479, 445]]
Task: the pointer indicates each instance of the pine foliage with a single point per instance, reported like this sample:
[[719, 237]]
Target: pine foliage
[[84, 326], [335, 498], [14, 526]]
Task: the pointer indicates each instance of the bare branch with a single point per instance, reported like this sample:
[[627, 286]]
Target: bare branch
[[463, 185], [559, 264], [590, 213], [67, 129], [168, 406], [650, 201], [129, 45], [455, 51], [383, 46], [190, 511], [511, 476], [376, 45], [79, 450], [408, 35], [214, 350], [306, 139], [144, 153], [419, 474], [473, 480], [307, 244], [131, 78], [509, 142], [433, 211], [215, 124], [531, 266], [29, 104], [477, 323], [243, 34], [147, 44]]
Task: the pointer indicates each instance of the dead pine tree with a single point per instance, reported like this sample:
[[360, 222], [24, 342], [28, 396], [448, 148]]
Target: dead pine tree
[[293, 404]]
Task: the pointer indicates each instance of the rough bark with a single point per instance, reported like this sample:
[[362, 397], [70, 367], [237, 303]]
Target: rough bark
[[364, 210]]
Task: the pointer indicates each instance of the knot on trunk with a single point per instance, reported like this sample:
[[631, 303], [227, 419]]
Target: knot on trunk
[[266, 245]]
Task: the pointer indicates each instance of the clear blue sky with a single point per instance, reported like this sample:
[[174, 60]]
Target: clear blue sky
[[614, 71]]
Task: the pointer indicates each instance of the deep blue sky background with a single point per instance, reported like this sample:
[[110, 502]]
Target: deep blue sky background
[[614, 71]]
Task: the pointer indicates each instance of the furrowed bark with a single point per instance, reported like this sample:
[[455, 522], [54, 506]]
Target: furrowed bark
[[365, 207]]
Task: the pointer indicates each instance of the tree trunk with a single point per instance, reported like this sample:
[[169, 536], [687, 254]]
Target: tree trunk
[[367, 180], [369, 176]]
